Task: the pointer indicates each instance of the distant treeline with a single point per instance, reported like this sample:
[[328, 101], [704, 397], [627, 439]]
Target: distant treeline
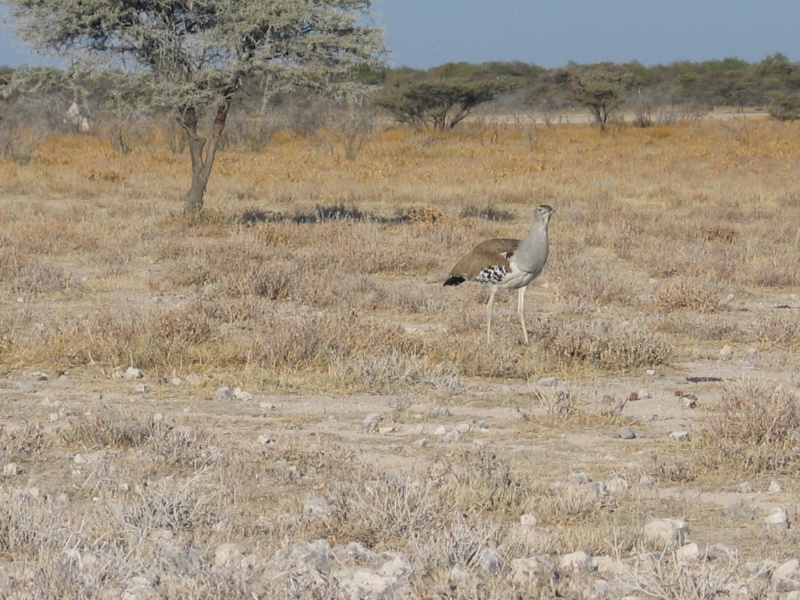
[[726, 82], [443, 96]]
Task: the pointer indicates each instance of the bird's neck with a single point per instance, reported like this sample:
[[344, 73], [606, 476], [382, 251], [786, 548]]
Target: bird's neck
[[531, 253]]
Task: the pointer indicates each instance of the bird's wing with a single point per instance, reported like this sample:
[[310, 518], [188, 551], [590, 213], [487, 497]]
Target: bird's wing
[[491, 253]]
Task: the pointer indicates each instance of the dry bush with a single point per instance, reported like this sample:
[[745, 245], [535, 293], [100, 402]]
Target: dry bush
[[198, 335], [110, 429], [165, 504], [30, 527], [390, 512], [620, 346], [158, 437], [481, 480], [704, 326], [13, 325], [560, 403], [611, 534], [688, 295], [456, 540], [778, 331], [753, 429], [569, 504], [21, 442], [155, 339], [36, 276], [665, 577], [580, 283], [463, 342], [398, 370], [673, 469], [416, 300], [302, 341]]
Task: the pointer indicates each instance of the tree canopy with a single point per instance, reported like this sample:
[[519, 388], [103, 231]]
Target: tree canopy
[[441, 97]]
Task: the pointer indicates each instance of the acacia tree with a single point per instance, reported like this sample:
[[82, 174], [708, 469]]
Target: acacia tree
[[443, 102], [600, 88], [193, 56]]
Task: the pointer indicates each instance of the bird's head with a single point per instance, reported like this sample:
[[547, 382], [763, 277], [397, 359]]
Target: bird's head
[[542, 213]]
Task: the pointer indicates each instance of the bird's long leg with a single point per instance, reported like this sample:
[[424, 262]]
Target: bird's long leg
[[489, 305], [521, 311]]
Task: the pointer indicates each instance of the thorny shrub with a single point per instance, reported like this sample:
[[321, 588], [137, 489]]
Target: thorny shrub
[[618, 347], [754, 428]]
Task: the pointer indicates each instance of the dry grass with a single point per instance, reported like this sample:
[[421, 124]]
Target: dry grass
[[312, 273], [753, 429]]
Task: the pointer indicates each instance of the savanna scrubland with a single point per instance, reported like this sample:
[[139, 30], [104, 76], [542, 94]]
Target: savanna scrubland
[[310, 413]]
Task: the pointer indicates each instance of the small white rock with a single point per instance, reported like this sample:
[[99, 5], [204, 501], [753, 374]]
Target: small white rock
[[608, 564], [490, 560], [617, 484], [546, 382], [452, 436], [88, 458], [775, 486], [778, 517], [132, 373], [226, 555], [745, 488], [679, 436], [529, 520], [667, 532], [576, 562], [141, 388], [578, 478], [241, 395], [688, 553], [463, 428], [726, 351], [440, 431], [317, 507], [529, 570], [371, 422], [398, 567], [599, 490], [737, 512], [785, 576], [626, 433], [11, 469]]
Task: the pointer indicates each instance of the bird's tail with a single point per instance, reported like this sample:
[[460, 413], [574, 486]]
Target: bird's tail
[[455, 280]]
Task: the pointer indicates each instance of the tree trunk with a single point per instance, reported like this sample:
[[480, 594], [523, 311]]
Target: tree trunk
[[201, 164]]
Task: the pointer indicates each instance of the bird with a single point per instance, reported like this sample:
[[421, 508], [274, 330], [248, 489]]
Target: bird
[[504, 263]]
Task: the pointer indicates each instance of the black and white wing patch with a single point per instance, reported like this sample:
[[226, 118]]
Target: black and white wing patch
[[491, 274]]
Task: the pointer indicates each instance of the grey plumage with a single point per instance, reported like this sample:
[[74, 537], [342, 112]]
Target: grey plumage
[[505, 263]]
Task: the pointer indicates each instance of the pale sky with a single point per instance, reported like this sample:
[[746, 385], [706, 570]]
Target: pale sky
[[550, 33]]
